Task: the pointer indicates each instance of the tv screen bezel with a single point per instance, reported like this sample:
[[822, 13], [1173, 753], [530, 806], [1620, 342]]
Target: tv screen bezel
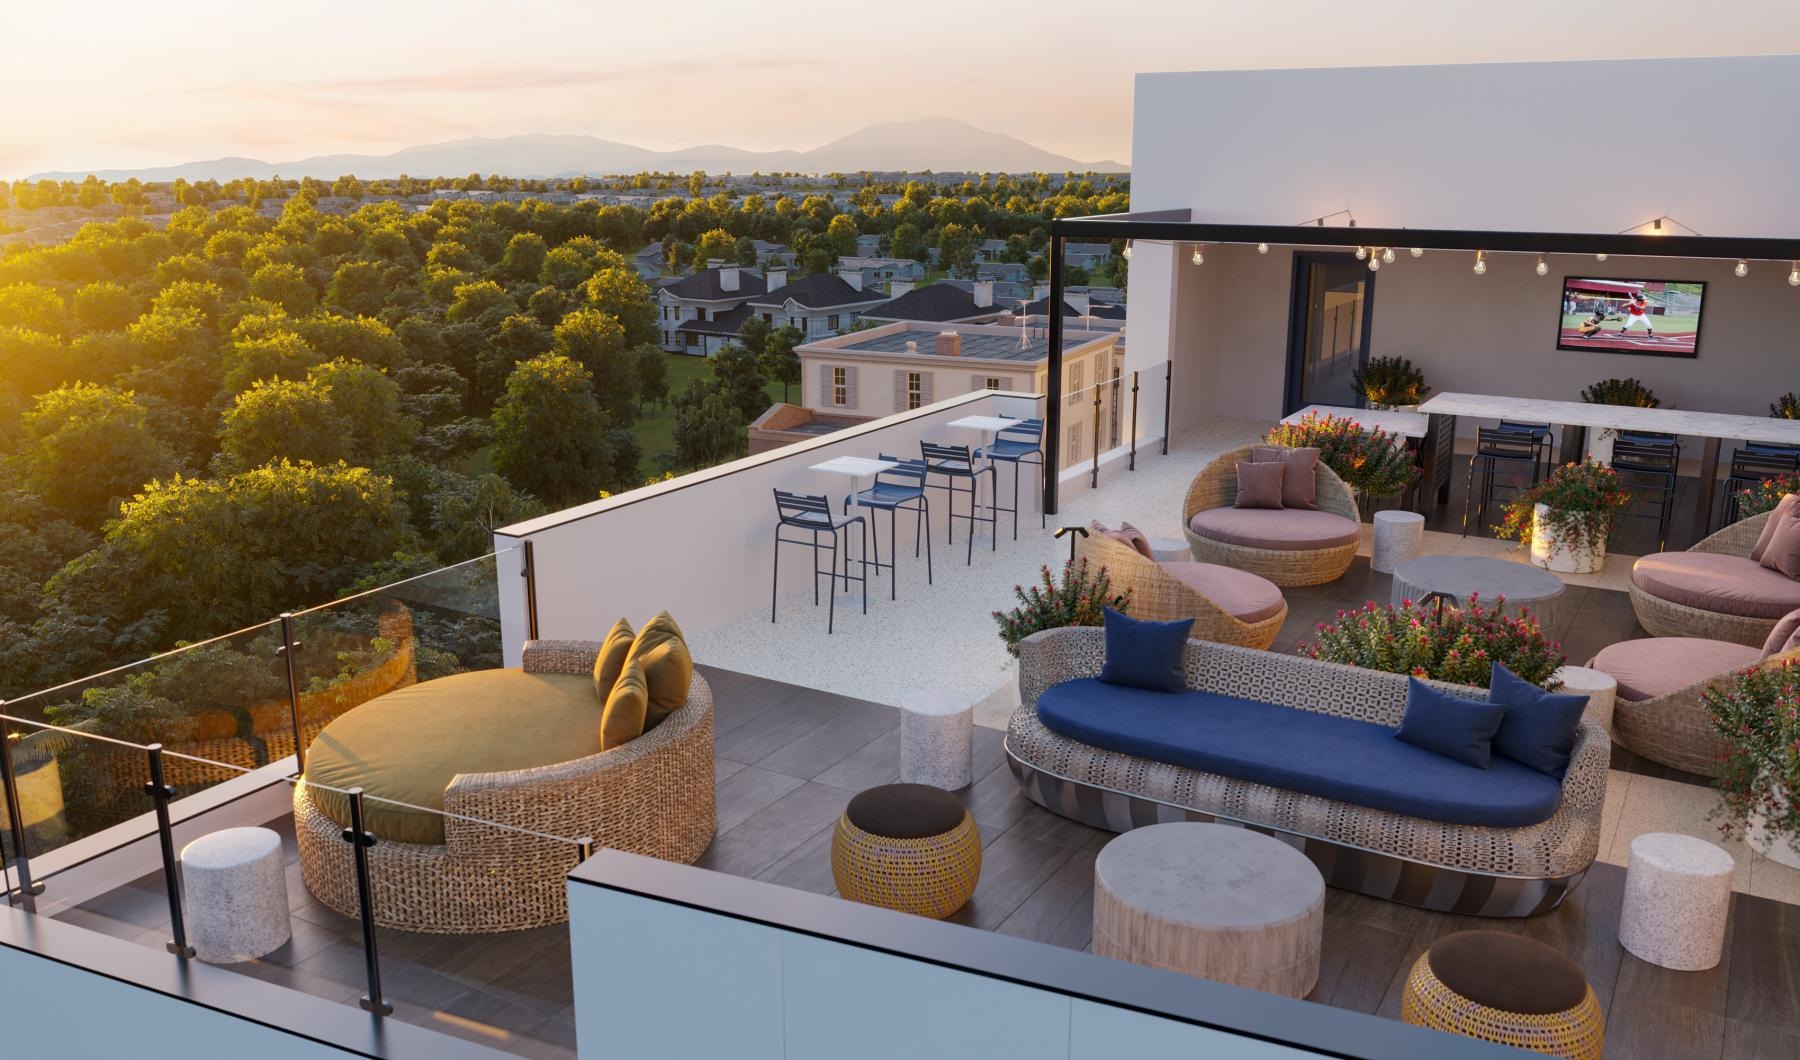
[[1699, 325]]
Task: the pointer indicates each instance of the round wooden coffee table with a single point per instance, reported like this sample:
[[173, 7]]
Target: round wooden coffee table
[[1213, 901], [1460, 577]]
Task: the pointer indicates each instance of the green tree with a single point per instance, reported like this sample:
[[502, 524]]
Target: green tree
[[283, 418], [358, 287], [652, 375], [619, 292], [524, 256], [956, 249], [484, 302], [778, 361], [34, 306], [738, 373], [282, 355], [709, 429], [103, 306], [596, 341], [842, 233], [716, 244], [908, 242], [465, 512], [85, 447], [550, 433], [286, 286], [369, 403]]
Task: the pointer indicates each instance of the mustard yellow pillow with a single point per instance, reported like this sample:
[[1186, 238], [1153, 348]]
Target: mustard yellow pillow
[[623, 719], [662, 654], [611, 659]]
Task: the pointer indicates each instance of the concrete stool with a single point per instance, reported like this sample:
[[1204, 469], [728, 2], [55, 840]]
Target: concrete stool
[[1600, 688], [937, 739], [235, 888], [1399, 535], [1677, 895]]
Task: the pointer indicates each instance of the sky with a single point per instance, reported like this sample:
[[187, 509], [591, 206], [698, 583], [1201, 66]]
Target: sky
[[105, 84]]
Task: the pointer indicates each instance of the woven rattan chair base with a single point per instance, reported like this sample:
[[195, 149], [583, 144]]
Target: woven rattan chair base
[[1159, 596], [1287, 569], [1578, 1033], [1665, 618], [931, 876]]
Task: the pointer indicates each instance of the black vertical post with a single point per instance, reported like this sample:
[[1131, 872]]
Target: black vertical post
[[286, 651], [530, 575], [360, 840], [1132, 464], [160, 792], [24, 894], [1168, 395], [584, 848], [1094, 475], [1053, 379]]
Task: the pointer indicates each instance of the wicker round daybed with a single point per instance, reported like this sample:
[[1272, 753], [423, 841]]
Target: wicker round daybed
[[1215, 490], [1743, 615], [1163, 592], [652, 796]]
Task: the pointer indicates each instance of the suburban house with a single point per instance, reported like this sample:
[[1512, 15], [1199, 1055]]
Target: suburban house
[[1009, 271], [688, 308], [818, 305], [1086, 255], [882, 270], [772, 254], [938, 303], [868, 245], [652, 256]]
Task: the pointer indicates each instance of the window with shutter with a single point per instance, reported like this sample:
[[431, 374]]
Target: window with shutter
[[849, 388], [1077, 381], [1072, 449]]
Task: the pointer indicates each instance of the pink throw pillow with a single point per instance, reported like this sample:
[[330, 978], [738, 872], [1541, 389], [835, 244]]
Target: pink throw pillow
[[1783, 553], [1138, 539], [1121, 536], [1782, 510], [1259, 485], [1785, 636], [1299, 483]]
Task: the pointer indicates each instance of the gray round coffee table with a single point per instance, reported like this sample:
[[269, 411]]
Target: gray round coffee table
[[1213, 901], [1459, 577]]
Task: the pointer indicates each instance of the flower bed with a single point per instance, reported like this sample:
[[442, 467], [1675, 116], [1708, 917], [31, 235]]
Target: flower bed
[[1447, 643], [1373, 462]]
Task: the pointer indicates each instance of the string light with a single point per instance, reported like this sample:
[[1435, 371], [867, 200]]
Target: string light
[[1374, 262], [1361, 253], [1387, 255], [1742, 270], [1543, 267], [1794, 276], [1599, 257], [1199, 258], [1418, 252], [1128, 249], [1480, 262], [1262, 248]]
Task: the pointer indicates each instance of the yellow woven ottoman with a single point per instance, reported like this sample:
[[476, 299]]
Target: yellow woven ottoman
[[1507, 989], [910, 847]]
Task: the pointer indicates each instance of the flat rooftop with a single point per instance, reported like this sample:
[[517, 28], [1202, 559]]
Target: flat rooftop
[[982, 347]]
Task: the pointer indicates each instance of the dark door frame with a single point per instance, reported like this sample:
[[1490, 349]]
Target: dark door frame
[[1291, 399]]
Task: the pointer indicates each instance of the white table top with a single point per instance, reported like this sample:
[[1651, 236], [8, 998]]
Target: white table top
[[855, 466], [1394, 421], [983, 423], [1582, 414]]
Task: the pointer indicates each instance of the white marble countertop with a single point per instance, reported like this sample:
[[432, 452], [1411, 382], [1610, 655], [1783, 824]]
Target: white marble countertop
[[1582, 414], [1393, 421]]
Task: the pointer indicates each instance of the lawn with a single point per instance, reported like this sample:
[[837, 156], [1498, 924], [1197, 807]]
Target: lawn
[[655, 426]]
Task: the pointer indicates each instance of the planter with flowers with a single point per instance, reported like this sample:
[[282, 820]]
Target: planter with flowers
[[1631, 393], [1372, 462], [1758, 714], [1566, 519], [1390, 383], [1763, 496], [1786, 407], [1446, 643], [1077, 597]]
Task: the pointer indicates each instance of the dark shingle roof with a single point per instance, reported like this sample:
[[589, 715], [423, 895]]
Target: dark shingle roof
[[727, 323], [980, 347], [936, 302], [704, 286], [819, 291], [1041, 307]]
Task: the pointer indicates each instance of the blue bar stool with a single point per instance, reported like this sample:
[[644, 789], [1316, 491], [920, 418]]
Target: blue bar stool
[[898, 488], [1656, 457], [801, 511], [1750, 465], [957, 464], [1494, 447], [1018, 445], [1542, 435]]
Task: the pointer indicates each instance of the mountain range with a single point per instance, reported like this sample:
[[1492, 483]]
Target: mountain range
[[939, 144]]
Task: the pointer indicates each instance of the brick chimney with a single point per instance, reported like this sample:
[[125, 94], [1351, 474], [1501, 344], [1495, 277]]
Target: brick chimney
[[728, 278], [949, 344], [853, 277], [984, 294], [896, 288], [777, 279]]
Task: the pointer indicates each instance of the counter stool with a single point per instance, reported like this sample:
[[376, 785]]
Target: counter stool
[[811, 513], [958, 464]]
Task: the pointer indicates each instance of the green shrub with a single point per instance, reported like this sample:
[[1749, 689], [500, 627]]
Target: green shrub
[[1447, 643], [1373, 462], [1078, 598], [1786, 407], [1628, 392], [1389, 381], [1758, 714]]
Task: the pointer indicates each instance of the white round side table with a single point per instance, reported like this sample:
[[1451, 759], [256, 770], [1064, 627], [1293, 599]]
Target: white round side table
[[1600, 688], [1399, 535], [1677, 895], [235, 887], [1171, 550], [937, 740]]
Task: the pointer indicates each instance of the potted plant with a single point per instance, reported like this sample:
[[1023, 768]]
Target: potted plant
[[1078, 597], [1786, 407], [1567, 519], [1445, 642], [1372, 462], [1758, 715], [1390, 383], [1628, 392], [1762, 496]]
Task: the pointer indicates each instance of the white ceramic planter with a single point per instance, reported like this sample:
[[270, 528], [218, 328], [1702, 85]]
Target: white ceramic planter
[[1600, 445], [1777, 848], [1553, 555]]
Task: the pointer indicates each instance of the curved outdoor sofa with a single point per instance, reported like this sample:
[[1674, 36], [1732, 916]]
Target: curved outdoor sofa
[[1288, 546], [1227, 605], [653, 795], [1714, 590], [1516, 841]]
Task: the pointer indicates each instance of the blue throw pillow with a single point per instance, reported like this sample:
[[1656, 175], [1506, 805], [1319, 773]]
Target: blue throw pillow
[[1452, 726], [1145, 654], [1539, 727]]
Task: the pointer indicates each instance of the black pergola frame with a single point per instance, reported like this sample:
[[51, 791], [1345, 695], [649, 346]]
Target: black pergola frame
[[1175, 227]]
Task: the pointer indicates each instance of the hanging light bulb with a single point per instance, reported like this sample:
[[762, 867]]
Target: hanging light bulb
[[1128, 250], [1262, 248], [1199, 258], [1543, 267], [1361, 253], [1599, 257], [1794, 276], [1480, 262], [1418, 252], [1387, 255], [1374, 262], [1742, 270]]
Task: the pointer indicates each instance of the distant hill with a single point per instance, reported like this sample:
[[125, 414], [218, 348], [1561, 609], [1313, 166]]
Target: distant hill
[[945, 144]]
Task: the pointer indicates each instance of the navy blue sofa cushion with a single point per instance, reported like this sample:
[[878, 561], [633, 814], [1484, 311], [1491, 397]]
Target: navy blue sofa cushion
[[1141, 653], [1539, 727], [1335, 758], [1452, 726]]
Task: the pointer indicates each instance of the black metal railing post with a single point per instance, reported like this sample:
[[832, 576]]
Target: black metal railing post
[[360, 840], [160, 792], [24, 895], [1132, 464], [1168, 396], [529, 573], [292, 665], [1094, 475]]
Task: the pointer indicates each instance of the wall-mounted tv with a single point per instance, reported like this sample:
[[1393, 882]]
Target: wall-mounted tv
[[1660, 318]]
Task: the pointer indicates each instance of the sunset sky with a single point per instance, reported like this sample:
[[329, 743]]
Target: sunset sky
[[111, 84]]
